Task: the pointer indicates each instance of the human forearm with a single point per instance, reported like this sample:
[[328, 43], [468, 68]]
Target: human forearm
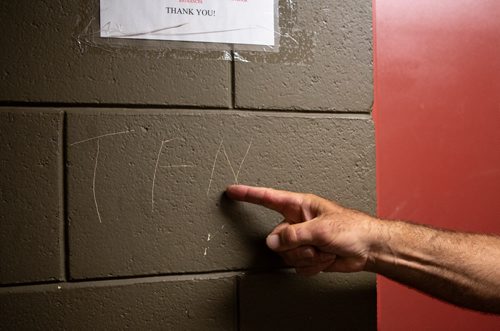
[[460, 268]]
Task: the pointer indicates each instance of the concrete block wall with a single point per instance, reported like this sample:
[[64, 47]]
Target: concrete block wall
[[114, 164]]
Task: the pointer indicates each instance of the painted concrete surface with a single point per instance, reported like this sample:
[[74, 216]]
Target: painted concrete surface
[[42, 60], [142, 189], [30, 195], [330, 301], [324, 62], [207, 304], [145, 188]]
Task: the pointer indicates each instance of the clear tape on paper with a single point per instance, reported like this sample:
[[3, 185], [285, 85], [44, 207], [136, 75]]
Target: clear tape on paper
[[174, 44]]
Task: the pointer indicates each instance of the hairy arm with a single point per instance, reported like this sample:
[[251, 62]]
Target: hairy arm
[[461, 268], [318, 235]]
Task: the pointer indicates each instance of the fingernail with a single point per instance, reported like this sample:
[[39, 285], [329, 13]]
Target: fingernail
[[273, 241]]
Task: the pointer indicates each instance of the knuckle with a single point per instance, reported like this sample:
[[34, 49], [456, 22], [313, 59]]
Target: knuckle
[[288, 236], [300, 257], [324, 234], [306, 253], [308, 197]]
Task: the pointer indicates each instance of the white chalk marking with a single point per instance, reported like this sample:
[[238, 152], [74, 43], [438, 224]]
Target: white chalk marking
[[179, 166], [213, 167], [101, 136], [229, 162], [93, 182], [208, 237], [243, 161], [156, 169], [205, 253], [235, 174], [98, 139]]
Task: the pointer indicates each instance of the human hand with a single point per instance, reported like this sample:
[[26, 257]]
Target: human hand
[[316, 234]]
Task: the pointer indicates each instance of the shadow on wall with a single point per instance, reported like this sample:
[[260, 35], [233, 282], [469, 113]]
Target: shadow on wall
[[283, 300], [242, 219], [330, 301]]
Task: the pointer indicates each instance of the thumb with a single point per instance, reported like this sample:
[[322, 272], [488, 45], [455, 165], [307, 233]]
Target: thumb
[[290, 236]]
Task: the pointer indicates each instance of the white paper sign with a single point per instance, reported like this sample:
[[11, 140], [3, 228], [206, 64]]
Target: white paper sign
[[248, 22]]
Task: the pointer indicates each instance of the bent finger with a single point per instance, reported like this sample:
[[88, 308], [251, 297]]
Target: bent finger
[[292, 236], [278, 228], [305, 256]]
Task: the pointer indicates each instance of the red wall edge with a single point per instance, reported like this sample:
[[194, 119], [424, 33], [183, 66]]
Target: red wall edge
[[437, 118]]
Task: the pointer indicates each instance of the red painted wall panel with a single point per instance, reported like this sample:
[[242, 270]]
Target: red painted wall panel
[[437, 117]]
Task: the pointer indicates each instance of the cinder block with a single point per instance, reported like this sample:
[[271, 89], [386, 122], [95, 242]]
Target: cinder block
[[324, 62], [42, 60], [330, 301], [145, 187], [30, 195], [119, 305]]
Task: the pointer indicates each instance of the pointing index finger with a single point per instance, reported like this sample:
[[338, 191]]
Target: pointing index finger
[[283, 202]]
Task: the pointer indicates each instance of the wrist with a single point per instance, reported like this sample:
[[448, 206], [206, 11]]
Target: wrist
[[378, 241]]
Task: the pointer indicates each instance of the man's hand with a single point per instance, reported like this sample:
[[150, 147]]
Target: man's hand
[[319, 235], [316, 234]]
